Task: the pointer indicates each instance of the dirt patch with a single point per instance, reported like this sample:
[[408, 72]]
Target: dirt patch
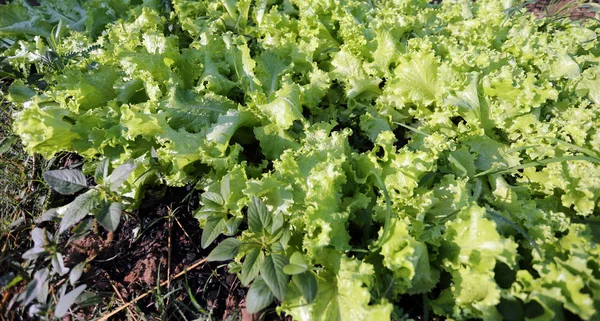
[[562, 8], [158, 240]]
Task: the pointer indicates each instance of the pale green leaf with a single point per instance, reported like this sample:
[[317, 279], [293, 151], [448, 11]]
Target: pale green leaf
[[67, 300]]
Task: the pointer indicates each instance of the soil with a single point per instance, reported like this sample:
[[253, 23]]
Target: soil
[[553, 6], [152, 244]]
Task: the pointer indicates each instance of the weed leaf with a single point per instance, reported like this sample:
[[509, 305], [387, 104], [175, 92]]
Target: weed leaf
[[225, 187], [272, 272], [212, 200], [277, 222], [6, 144], [259, 217], [49, 215], [297, 264], [259, 296], [76, 273], [110, 216], [226, 250], [307, 284], [232, 225], [67, 300], [251, 266], [37, 288], [65, 181], [120, 175], [59, 265], [101, 171], [78, 209], [215, 225]]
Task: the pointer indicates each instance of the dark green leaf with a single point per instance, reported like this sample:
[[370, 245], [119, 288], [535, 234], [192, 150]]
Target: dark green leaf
[[285, 238], [78, 209], [81, 230], [215, 225], [120, 175], [232, 225], [272, 272], [259, 296], [251, 266], [6, 143], [234, 267], [67, 300], [110, 216], [226, 250], [87, 299], [259, 217], [277, 222], [307, 284], [212, 199], [49, 215], [19, 92], [205, 213], [101, 171], [297, 264], [18, 19], [65, 181]]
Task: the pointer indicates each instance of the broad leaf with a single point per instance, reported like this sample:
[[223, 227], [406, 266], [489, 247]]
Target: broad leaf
[[206, 212], [78, 209], [272, 272], [59, 265], [76, 273], [212, 199], [259, 296], [49, 215], [110, 216], [232, 226], [251, 266], [215, 225], [101, 171], [259, 217], [120, 175], [297, 264], [277, 222], [307, 284], [225, 187], [67, 300], [81, 229], [39, 237], [37, 288], [65, 181], [226, 250], [6, 143]]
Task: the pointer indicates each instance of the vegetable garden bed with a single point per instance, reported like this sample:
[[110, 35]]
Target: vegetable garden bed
[[340, 160]]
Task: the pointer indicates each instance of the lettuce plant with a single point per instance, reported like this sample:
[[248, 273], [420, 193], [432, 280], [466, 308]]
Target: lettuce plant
[[400, 147]]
